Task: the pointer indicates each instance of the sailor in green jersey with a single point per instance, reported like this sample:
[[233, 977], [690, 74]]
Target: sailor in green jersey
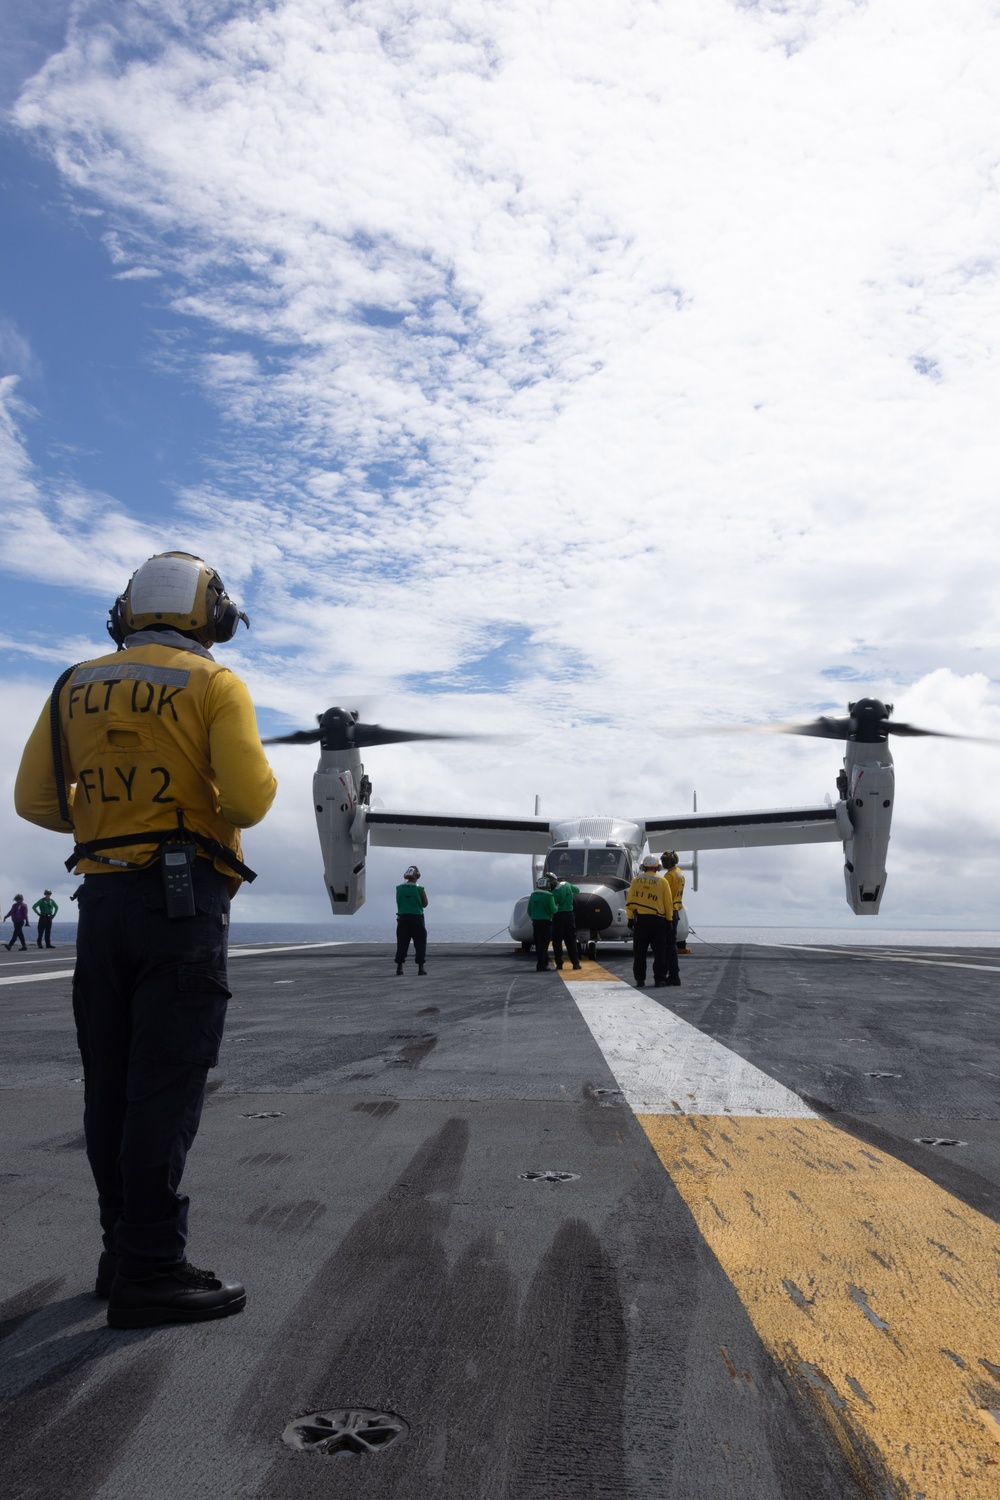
[[564, 922], [45, 909], [541, 910], [411, 899]]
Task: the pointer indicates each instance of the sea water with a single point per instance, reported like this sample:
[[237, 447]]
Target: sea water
[[348, 931], [457, 932]]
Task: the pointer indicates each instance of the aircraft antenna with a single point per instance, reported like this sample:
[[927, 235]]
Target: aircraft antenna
[[694, 857]]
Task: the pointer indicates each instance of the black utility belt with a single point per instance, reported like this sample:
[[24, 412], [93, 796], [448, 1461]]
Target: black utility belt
[[176, 851], [95, 849]]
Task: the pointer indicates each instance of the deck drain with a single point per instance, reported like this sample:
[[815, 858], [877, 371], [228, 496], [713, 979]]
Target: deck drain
[[345, 1433], [548, 1176], [265, 1114], [937, 1140]]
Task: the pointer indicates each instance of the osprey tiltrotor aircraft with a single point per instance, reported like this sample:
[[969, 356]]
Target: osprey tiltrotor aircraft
[[599, 854]]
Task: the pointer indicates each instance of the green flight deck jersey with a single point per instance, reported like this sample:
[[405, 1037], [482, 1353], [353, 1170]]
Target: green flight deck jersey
[[563, 895], [45, 907], [541, 906], [409, 900]]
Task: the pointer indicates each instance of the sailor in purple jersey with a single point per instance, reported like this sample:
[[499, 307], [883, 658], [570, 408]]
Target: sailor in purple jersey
[[18, 914]]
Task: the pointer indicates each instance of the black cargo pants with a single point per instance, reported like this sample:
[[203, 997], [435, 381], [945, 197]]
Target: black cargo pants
[[410, 926], [149, 1000], [564, 931], [656, 933], [542, 931]]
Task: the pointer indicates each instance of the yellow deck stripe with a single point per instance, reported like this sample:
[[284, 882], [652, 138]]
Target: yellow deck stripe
[[589, 970], [876, 1290]]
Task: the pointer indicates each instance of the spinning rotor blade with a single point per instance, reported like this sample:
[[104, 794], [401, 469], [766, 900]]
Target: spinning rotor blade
[[340, 729], [300, 737], [869, 721], [820, 729], [912, 731], [867, 724], [373, 734]]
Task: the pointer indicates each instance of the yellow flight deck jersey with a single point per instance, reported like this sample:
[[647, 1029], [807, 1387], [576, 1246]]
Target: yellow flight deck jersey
[[675, 880], [649, 895], [146, 733]]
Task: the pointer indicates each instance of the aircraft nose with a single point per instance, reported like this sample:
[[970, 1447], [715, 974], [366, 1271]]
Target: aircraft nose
[[592, 911]]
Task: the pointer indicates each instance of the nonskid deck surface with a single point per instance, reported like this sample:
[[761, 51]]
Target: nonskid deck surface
[[760, 1280]]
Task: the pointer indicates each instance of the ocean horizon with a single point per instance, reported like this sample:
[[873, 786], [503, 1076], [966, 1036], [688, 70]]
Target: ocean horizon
[[243, 933]]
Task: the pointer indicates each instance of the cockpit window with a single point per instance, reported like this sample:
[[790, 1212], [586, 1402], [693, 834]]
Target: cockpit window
[[595, 865], [604, 864], [566, 864]]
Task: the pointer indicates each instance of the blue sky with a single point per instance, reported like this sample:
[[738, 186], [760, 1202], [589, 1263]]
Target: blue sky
[[524, 368]]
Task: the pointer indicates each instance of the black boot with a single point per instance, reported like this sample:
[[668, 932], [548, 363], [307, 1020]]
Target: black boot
[[399, 968], [107, 1270], [421, 969], [178, 1294]]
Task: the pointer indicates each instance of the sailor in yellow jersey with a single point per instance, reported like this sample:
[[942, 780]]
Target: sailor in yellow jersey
[[650, 907], [150, 757], [673, 875]]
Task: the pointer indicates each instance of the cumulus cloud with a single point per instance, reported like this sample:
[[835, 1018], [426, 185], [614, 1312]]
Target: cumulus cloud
[[661, 345], [64, 535]]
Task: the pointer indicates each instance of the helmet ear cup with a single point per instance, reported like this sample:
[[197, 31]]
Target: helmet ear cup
[[115, 621], [227, 617]]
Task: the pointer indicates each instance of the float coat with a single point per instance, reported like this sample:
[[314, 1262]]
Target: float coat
[[145, 733], [650, 896], [675, 880]]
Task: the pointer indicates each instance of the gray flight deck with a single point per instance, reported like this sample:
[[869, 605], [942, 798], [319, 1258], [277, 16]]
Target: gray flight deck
[[359, 1167]]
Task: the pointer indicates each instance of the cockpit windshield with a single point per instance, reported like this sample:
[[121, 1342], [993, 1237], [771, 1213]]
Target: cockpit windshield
[[597, 865], [566, 864]]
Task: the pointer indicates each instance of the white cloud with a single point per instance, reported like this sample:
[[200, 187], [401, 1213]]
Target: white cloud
[[138, 273], [68, 537], [669, 337]]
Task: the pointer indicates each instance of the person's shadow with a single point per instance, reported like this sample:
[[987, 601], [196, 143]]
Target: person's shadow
[[59, 1415]]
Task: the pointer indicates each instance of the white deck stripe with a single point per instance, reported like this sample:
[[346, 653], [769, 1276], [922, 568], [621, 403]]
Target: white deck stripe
[[665, 1066], [36, 978], [888, 958], [291, 948]]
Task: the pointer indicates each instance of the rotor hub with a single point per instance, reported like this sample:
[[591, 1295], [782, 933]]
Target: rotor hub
[[870, 716]]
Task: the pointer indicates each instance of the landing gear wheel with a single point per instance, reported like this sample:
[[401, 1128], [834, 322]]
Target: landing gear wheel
[[592, 949], [525, 947]]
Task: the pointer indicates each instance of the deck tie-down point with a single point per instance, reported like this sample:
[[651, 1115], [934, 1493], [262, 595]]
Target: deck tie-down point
[[345, 1433]]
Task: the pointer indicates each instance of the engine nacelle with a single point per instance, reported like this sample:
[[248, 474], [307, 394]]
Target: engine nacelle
[[871, 792], [335, 798]]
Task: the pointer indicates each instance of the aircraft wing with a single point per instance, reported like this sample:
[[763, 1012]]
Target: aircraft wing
[[744, 830], [406, 830]]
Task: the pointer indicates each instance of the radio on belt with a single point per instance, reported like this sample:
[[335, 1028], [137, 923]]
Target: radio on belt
[[176, 864]]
